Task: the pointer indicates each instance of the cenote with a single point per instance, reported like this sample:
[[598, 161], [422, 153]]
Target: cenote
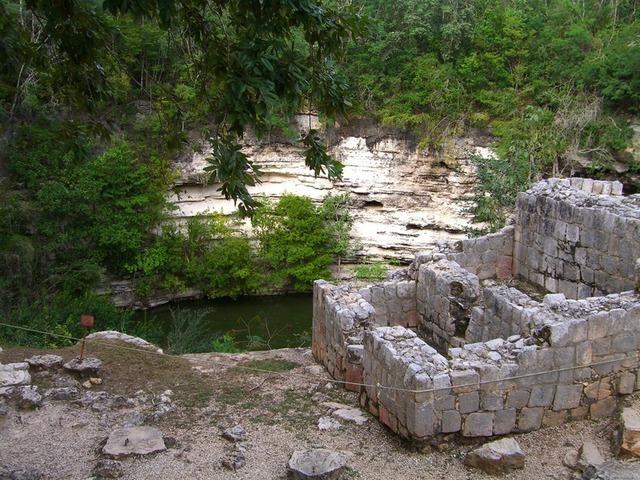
[[249, 323]]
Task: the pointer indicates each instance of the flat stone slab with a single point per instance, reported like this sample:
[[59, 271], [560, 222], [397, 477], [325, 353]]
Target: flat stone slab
[[497, 457], [347, 413], [328, 424], [45, 362], [317, 464], [125, 442], [13, 374], [86, 366]]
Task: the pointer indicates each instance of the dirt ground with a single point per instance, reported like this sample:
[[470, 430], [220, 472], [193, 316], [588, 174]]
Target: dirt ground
[[280, 412]]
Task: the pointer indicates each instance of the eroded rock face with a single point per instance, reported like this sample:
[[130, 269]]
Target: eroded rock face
[[125, 442], [317, 464], [405, 197], [501, 456]]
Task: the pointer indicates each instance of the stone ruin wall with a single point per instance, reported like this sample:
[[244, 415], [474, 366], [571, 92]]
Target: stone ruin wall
[[450, 346]]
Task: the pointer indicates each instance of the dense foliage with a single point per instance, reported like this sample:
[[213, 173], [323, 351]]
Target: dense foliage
[[555, 80]]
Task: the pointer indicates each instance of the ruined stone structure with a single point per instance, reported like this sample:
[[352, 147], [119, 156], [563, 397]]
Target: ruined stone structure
[[532, 326]]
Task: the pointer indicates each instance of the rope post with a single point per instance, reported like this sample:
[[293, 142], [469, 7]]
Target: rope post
[[86, 322]]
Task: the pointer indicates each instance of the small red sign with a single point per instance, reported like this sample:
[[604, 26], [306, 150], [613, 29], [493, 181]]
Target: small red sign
[[86, 321]]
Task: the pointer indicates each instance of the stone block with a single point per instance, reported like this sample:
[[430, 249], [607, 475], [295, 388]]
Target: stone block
[[518, 399], [493, 400], [553, 419], [584, 353], [451, 421], [468, 402], [541, 395], [504, 421], [530, 419], [603, 408], [478, 425], [421, 420], [567, 397], [626, 383], [579, 413], [465, 380]]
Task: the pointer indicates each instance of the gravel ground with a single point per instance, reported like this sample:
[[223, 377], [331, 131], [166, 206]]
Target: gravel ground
[[279, 412]]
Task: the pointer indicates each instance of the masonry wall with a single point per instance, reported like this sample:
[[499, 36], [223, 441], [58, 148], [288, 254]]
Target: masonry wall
[[570, 241], [394, 303], [512, 385]]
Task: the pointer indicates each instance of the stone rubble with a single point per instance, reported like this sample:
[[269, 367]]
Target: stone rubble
[[234, 434], [12, 374], [45, 362], [125, 442], [108, 469]]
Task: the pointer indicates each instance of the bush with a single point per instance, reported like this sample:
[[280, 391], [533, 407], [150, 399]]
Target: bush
[[297, 240]]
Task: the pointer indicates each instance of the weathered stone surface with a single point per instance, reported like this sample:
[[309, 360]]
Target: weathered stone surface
[[61, 393], [13, 374], [630, 432], [236, 433], [45, 362], [603, 408], [347, 413], [125, 442], [20, 473], [317, 464], [86, 366], [589, 454], [478, 425], [611, 471], [123, 337], [108, 469], [501, 456], [328, 424], [29, 397]]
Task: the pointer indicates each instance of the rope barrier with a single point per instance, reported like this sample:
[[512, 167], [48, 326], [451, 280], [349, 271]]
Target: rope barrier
[[112, 345]]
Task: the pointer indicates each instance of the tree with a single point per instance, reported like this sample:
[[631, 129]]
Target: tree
[[247, 63]]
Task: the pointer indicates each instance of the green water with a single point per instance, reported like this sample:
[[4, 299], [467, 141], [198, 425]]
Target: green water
[[256, 323]]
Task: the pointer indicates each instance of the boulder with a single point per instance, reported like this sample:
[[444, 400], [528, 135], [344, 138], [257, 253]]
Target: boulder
[[123, 337], [13, 374], [500, 456], [29, 397], [124, 442], [86, 366], [317, 464], [45, 362], [235, 434], [630, 432], [108, 469]]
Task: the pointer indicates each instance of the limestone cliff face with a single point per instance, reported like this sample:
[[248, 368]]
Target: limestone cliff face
[[404, 198]]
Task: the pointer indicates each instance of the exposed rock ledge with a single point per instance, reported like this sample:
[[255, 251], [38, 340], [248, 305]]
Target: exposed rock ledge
[[406, 198]]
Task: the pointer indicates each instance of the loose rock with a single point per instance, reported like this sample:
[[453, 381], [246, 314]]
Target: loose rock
[[45, 362], [317, 464], [13, 374], [108, 469], [630, 432], [497, 457], [28, 397], [61, 393], [123, 337], [235, 434], [588, 454], [612, 471], [134, 441], [328, 424], [234, 461], [87, 366]]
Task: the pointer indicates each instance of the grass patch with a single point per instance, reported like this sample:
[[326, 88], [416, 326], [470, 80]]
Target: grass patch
[[271, 364], [371, 271]]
